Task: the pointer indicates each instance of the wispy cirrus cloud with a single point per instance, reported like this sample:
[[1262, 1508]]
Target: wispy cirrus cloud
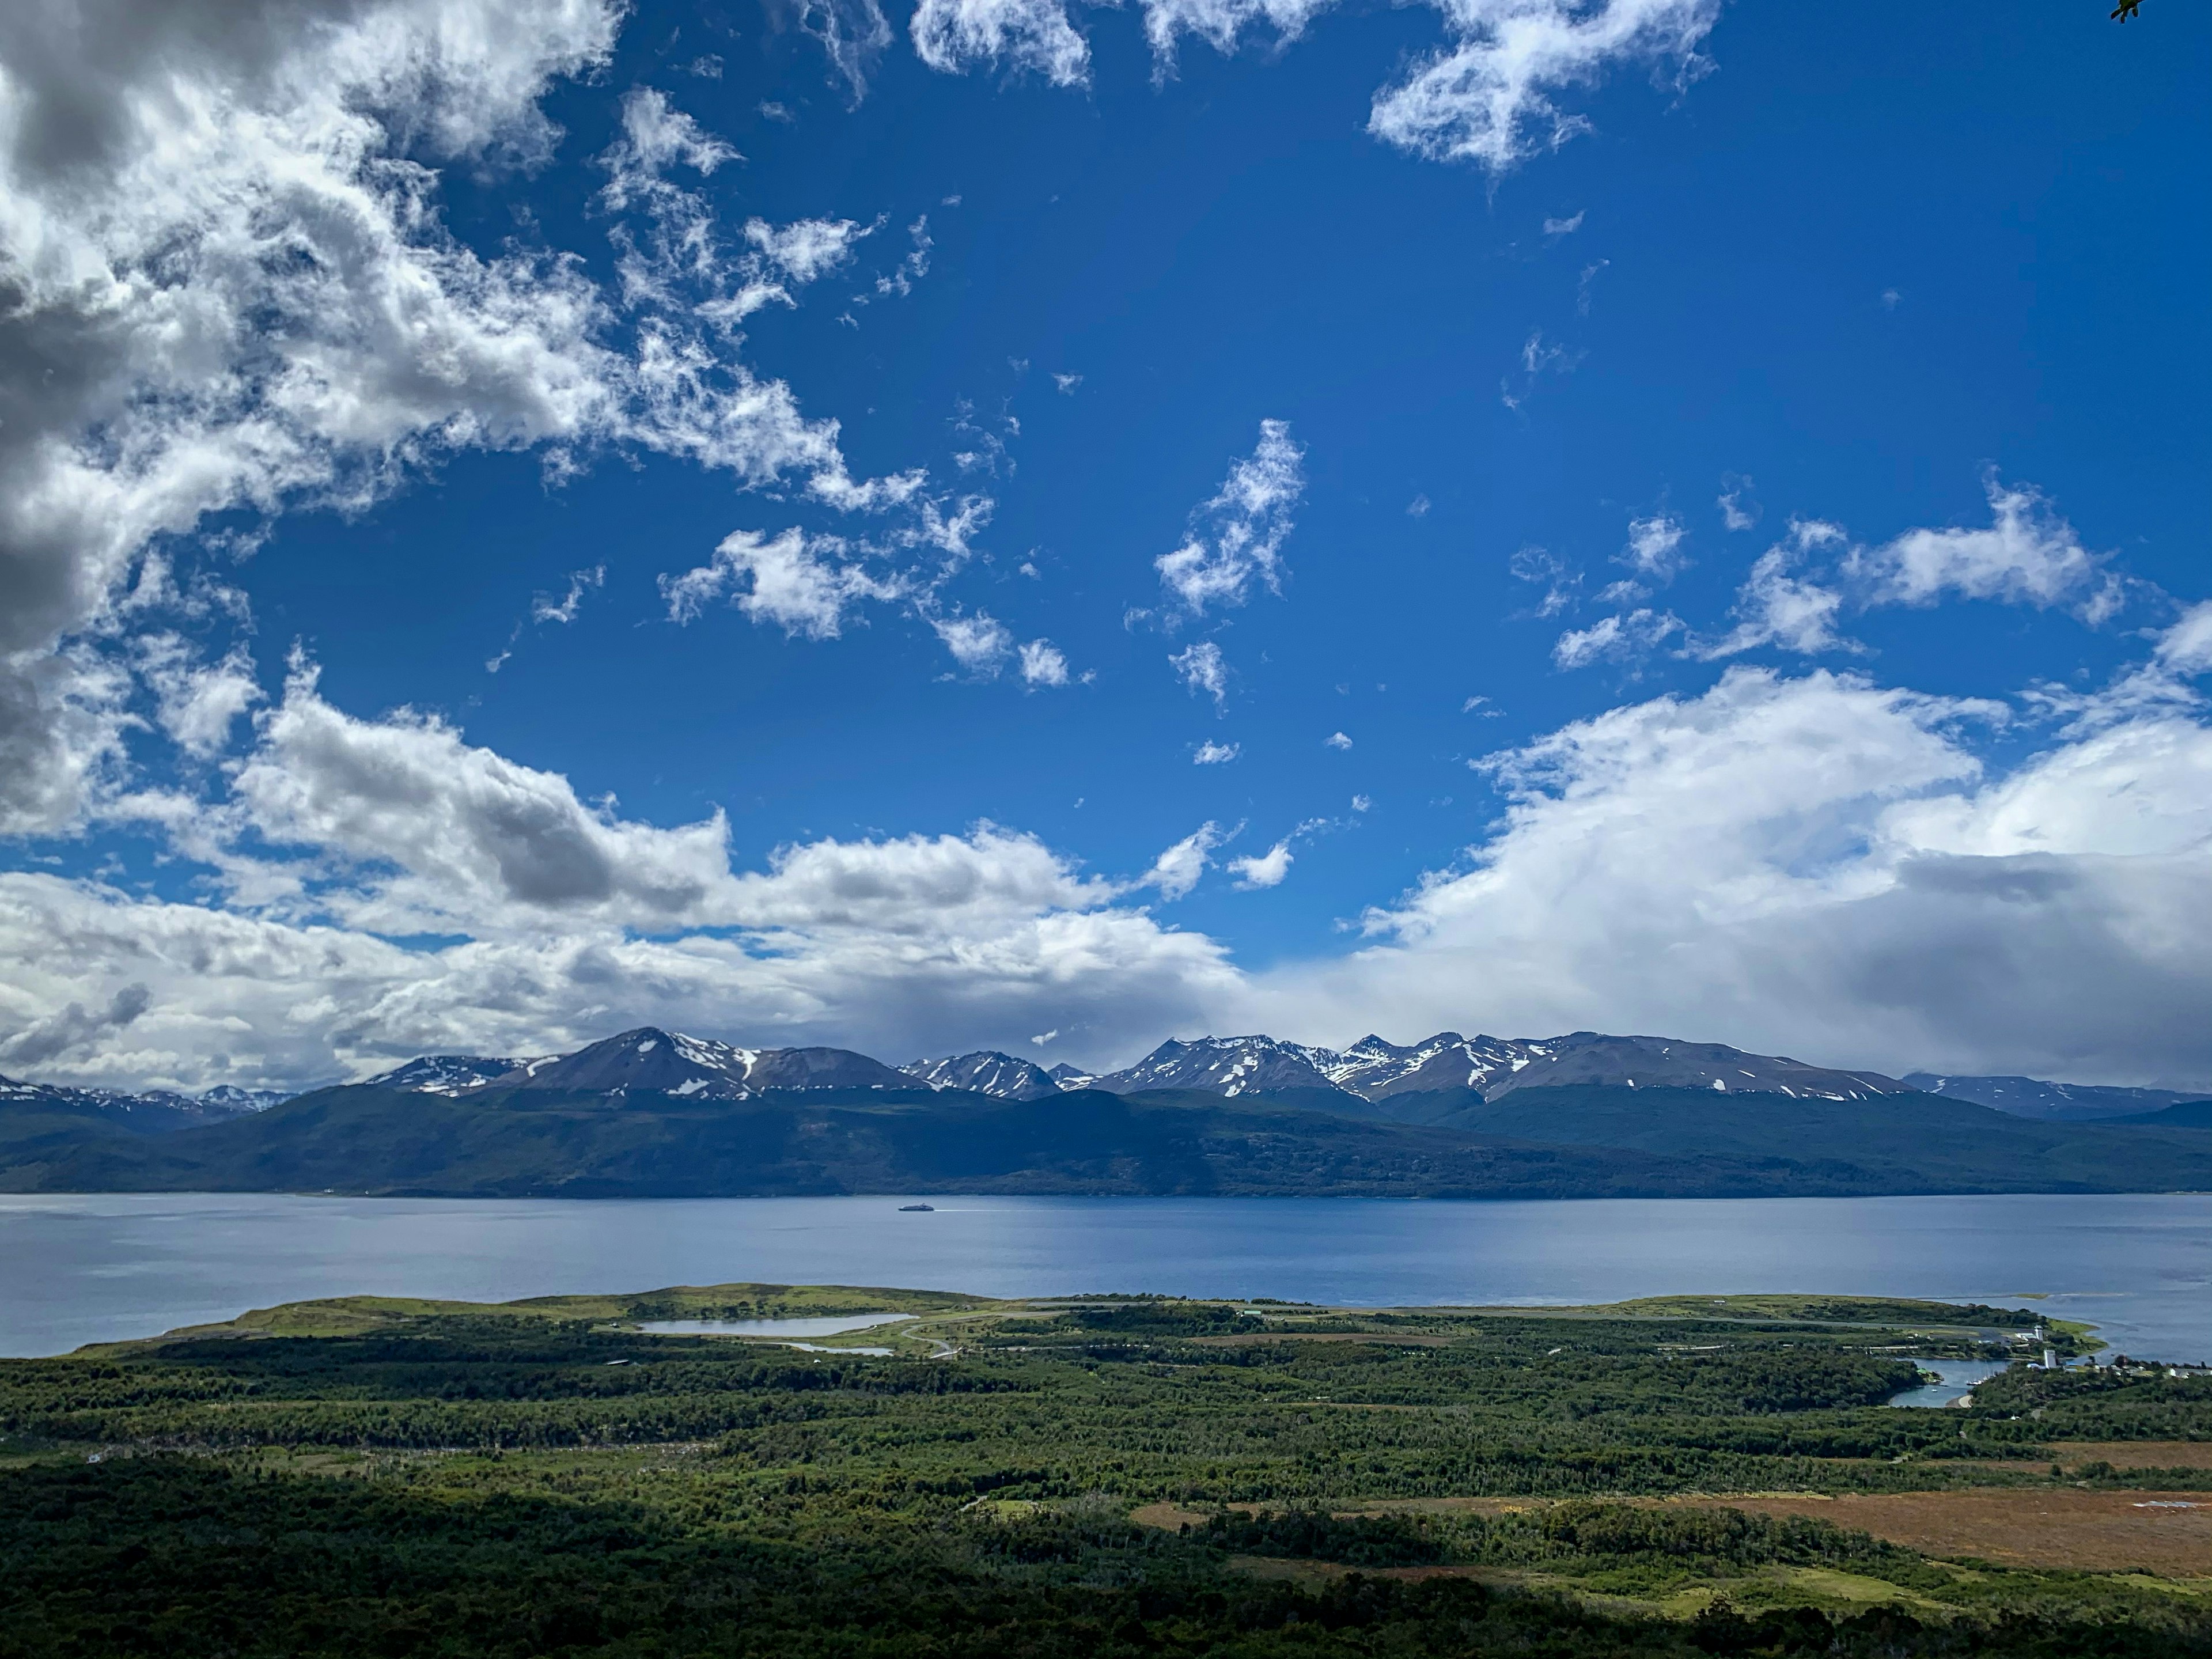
[[1654, 550], [1222, 24], [1237, 537], [1561, 582], [1779, 606], [854, 36], [1739, 508], [808, 586], [1492, 94], [1622, 637], [1491, 97], [1024, 36], [1201, 667], [1799, 589], [1799, 594]]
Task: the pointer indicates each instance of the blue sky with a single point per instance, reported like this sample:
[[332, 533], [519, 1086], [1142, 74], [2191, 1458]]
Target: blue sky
[[1725, 560]]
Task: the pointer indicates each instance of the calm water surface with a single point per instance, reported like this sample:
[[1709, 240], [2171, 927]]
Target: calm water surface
[[97, 1267], [827, 1326], [1958, 1376]]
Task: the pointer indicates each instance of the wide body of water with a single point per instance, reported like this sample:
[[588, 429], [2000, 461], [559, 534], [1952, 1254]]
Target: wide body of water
[[99, 1268]]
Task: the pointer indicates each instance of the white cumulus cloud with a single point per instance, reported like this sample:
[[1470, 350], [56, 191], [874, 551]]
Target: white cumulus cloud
[[1821, 866], [2027, 555], [199, 703], [1818, 865], [226, 286], [1266, 869], [404, 827], [979, 642], [1043, 663], [1176, 871]]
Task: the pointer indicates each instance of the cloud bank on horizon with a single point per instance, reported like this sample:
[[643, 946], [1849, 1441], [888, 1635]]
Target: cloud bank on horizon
[[265, 271]]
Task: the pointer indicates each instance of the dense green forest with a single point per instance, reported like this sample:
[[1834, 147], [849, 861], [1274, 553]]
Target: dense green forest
[[1108, 1476], [1577, 1142]]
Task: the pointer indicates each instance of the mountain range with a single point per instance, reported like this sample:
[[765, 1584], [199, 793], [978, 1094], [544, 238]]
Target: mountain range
[[157, 1111], [1371, 1070], [655, 1112], [2054, 1103], [1374, 1070]]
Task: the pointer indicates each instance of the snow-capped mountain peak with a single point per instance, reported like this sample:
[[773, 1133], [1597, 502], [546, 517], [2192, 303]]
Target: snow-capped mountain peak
[[1648, 1062], [987, 1072], [1225, 1066], [651, 1061], [1376, 1070], [229, 1097], [1373, 1068]]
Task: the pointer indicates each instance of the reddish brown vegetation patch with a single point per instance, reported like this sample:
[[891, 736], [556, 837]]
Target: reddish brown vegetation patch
[[2165, 1533]]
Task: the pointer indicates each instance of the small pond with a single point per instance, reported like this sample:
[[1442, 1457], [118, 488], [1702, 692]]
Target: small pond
[[830, 1325], [1958, 1376]]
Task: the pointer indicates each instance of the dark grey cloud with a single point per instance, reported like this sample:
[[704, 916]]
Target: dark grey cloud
[[74, 1027]]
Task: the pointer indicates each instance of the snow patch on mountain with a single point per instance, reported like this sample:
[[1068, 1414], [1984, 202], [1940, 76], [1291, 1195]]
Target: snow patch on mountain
[[2052, 1102], [444, 1074]]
